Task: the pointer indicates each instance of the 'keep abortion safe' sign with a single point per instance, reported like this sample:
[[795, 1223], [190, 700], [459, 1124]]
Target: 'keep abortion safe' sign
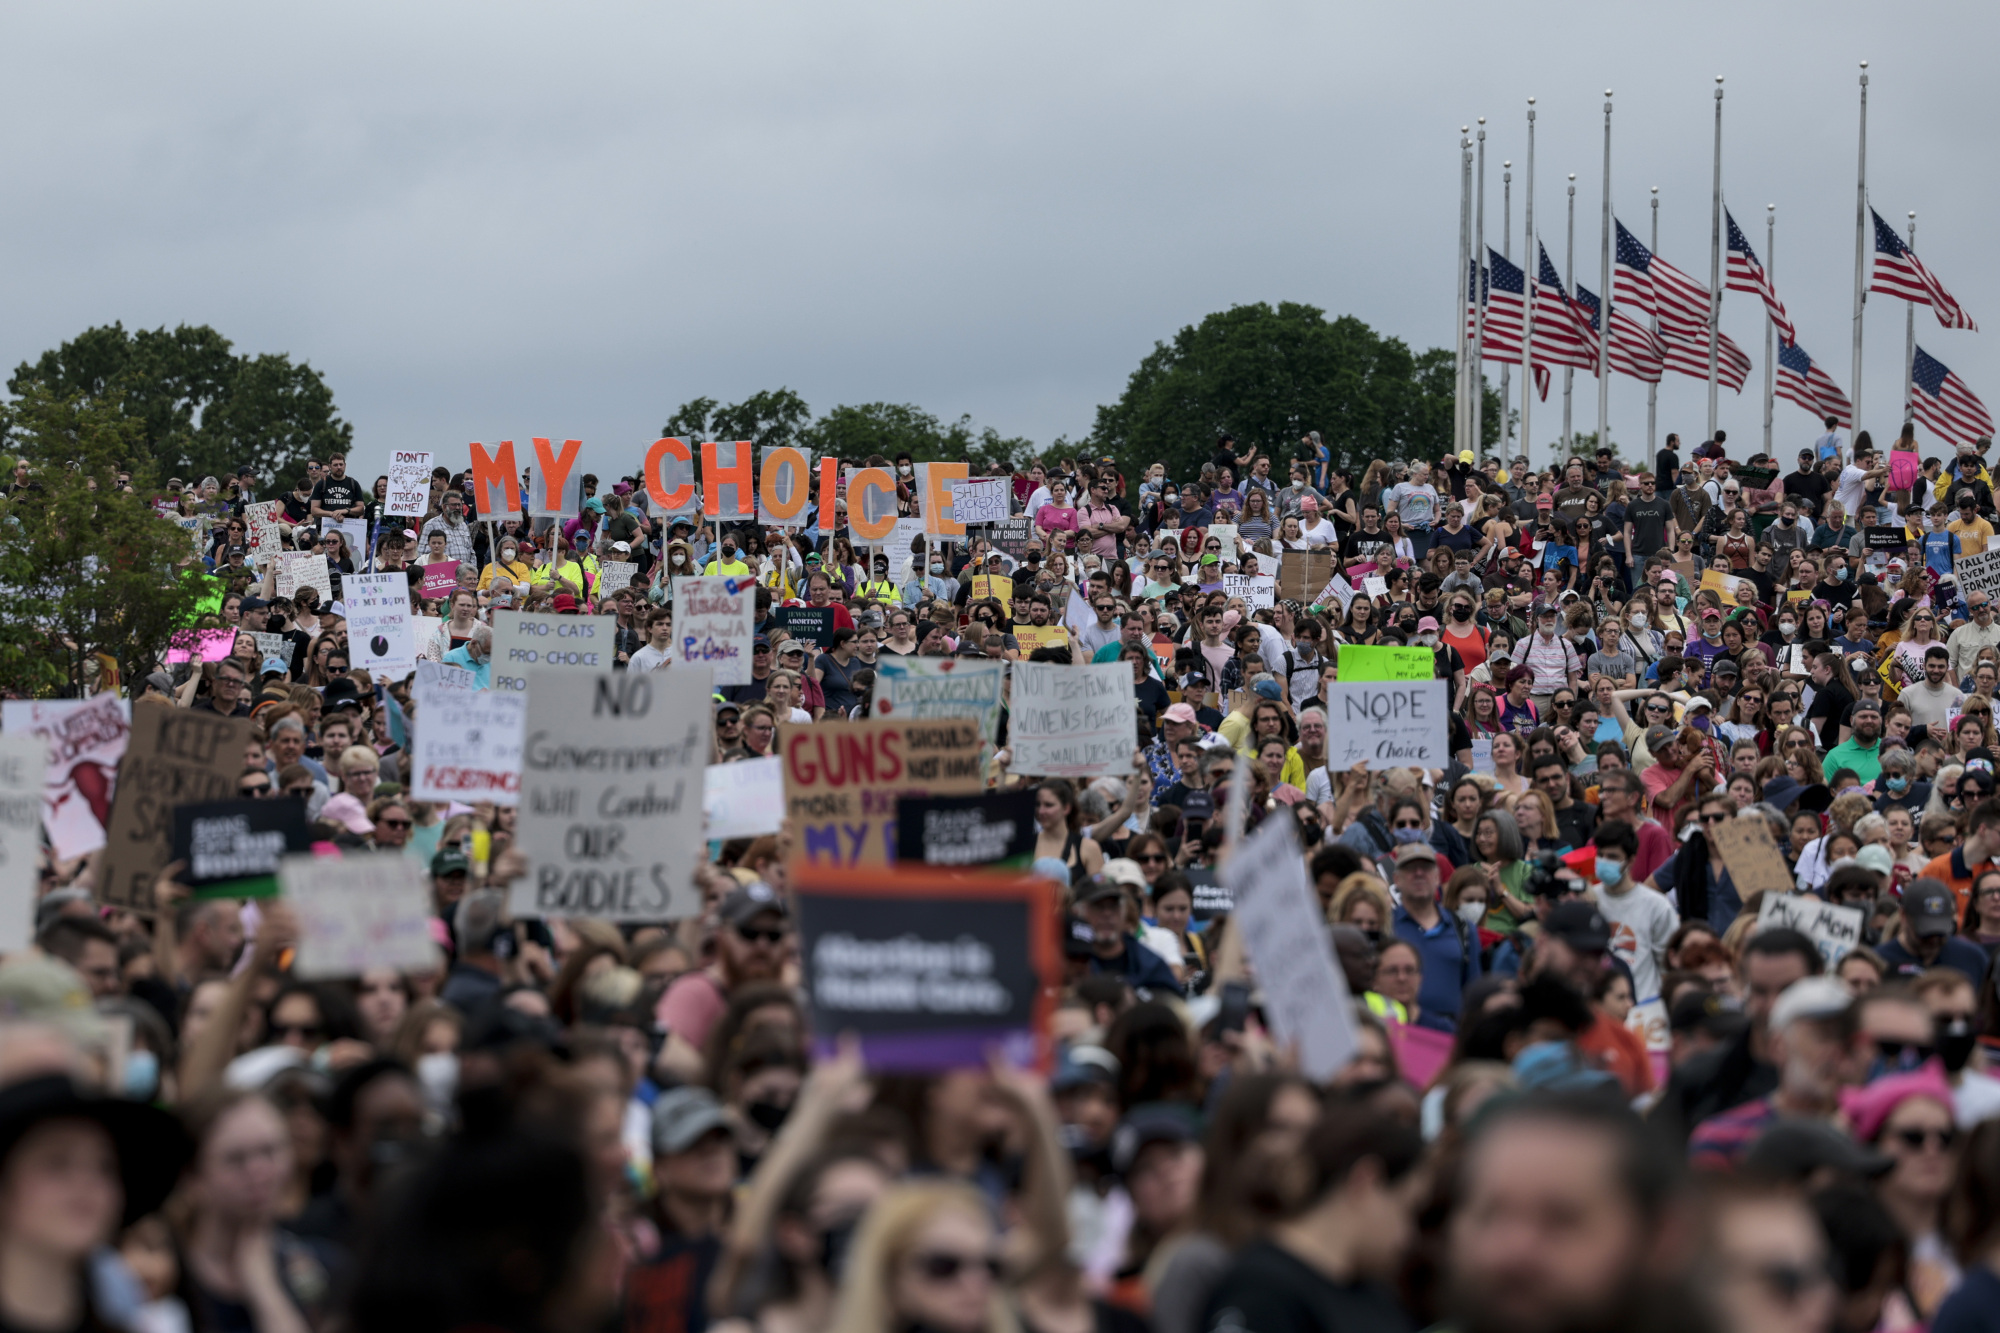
[[1387, 724]]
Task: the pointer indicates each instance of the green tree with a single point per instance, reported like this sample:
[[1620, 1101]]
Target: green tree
[[202, 409], [85, 568], [780, 416], [1270, 375], [767, 418]]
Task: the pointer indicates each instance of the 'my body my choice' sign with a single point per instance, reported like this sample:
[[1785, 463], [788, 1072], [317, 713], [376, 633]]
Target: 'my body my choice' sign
[[1387, 724], [528, 641]]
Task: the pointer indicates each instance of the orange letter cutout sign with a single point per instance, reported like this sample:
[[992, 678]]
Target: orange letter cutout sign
[[871, 503], [829, 492], [496, 482], [777, 462], [738, 472], [550, 494], [939, 520], [670, 495]]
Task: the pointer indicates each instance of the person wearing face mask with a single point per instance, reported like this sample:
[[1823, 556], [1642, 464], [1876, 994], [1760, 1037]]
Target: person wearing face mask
[[508, 564], [1642, 920], [1461, 634], [727, 560]]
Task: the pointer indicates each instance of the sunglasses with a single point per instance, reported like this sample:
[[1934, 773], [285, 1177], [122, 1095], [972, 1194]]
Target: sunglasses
[[1154, 858], [396, 823], [1916, 1140], [310, 1031], [751, 935], [940, 1267]]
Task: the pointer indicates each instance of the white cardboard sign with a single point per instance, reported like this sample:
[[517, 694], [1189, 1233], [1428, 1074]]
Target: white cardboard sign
[[468, 743], [409, 483], [361, 910], [1834, 930], [22, 761], [981, 499], [379, 630], [1387, 724], [715, 620], [1072, 721], [299, 570], [525, 641], [744, 799], [1284, 935]]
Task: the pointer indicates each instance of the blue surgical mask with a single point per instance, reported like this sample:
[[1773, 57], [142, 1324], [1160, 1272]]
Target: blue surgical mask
[[1406, 835], [1609, 872], [142, 1075], [1840, 576], [1896, 782]]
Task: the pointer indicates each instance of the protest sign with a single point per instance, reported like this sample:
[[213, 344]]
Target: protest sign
[[1728, 585], [981, 500], [1211, 898], [904, 540], [192, 525], [931, 969], [379, 632], [260, 522], [468, 740], [744, 799], [1753, 859], [525, 641], [715, 619], [1014, 536], [174, 756], [354, 533], [359, 911], [616, 574], [1387, 724], [200, 645], [1375, 585], [842, 782], [84, 740], [611, 794], [1420, 1052], [299, 570], [1256, 590], [984, 830], [440, 579], [1299, 572], [1360, 662], [1072, 721], [1835, 931], [1284, 934], [814, 624], [996, 586], [409, 484], [923, 688], [1883, 540], [1978, 573], [232, 848], [1336, 592], [1225, 533], [270, 646], [784, 486], [24, 759], [1482, 754]]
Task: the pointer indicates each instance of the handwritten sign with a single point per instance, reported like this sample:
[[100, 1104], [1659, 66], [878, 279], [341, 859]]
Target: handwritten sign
[[842, 782], [261, 522], [714, 624], [174, 756], [616, 574], [440, 579], [379, 632], [273, 647], [981, 499], [468, 741], [409, 483], [1978, 573], [1375, 585], [1361, 662], [1753, 859], [1255, 589], [926, 688], [1835, 931], [1072, 721], [301, 570], [1284, 934], [1337, 591], [23, 762], [526, 641], [1390, 724], [83, 740], [358, 911], [904, 541], [611, 795], [744, 799]]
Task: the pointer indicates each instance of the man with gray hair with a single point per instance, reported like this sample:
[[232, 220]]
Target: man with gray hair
[[475, 655], [479, 973], [287, 746]]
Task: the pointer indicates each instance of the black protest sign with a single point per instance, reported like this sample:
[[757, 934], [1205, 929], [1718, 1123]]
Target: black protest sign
[[175, 757], [1211, 899], [232, 848], [1886, 538], [812, 623], [1014, 536], [931, 969], [982, 830]]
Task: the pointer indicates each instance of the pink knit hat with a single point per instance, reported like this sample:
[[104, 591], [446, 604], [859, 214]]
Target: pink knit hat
[[1869, 1108]]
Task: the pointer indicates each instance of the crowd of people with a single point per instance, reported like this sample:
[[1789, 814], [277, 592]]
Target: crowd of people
[[1599, 1083]]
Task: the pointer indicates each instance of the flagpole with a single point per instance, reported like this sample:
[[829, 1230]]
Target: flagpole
[[1479, 335], [1462, 411], [1910, 336], [1604, 294], [1860, 244], [1528, 296], [1569, 283], [1770, 324], [1507, 253], [1653, 389], [1715, 264]]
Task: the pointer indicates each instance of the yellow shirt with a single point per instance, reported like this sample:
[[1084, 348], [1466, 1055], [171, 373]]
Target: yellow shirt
[[1972, 537]]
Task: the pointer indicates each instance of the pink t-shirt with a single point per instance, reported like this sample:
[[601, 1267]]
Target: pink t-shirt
[[691, 1006]]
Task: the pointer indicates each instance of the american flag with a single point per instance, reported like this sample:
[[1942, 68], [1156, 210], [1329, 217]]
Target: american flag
[[1563, 336], [1802, 381], [1505, 285], [1898, 272], [1689, 356], [1746, 274], [1631, 285], [1634, 350], [1942, 402]]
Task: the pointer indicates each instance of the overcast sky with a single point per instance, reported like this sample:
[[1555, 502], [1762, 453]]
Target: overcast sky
[[502, 220]]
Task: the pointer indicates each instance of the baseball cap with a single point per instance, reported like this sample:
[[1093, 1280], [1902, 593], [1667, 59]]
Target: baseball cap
[[744, 903], [1716, 1014], [1081, 1065], [683, 1117], [1797, 1148], [348, 813], [1198, 805], [1876, 857], [1928, 907], [1579, 925], [1095, 888], [1658, 735], [792, 646], [1427, 625], [1812, 997], [1416, 851], [451, 861], [621, 546], [1267, 689], [1183, 713], [563, 603], [1145, 1125], [1124, 870]]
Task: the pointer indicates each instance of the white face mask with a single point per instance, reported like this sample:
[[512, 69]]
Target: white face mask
[[1472, 913], [1638, 620], [1787, 628]]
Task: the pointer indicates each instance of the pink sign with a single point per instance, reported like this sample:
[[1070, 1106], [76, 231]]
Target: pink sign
[[1421, 1052], [440, 579], [205, 645]]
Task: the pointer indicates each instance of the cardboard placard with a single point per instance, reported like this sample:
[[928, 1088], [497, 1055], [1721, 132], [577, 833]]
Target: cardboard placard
[[1015, 536], [1753, 859], [1978, 573], [359, 911], [1072, 721], [925, 688], [1835, 931], [842, 782], [931, 969], [714, 625], [83, 741], [744, 798], [440, 579], [436, 675], [260, 523], [409, 484], [200, 645], [233, 848], [1256, 590], [525, 641], [270, 646], [996, 586], [1284, 933], [984, 830], [380, 634], [1031, 637], [1337, 591], [979, 500], [611, 794], [175, 756], [24, 760], [1387, 724], [814, 624], [898, 548], [300, 570], [1731, 588], [616, 574], [468, 740], [1363, 662], [1299, 572]]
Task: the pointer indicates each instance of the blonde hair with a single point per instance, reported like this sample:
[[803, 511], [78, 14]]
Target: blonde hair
[[888, 1230], [1360, 884]]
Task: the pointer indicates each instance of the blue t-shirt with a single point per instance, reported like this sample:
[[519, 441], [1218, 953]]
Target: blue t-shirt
[[1939, 548], [1974, 1307]]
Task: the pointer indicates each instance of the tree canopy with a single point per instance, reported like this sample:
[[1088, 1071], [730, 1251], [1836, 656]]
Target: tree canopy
[[1268, 376], [202, 408], [780, 416]]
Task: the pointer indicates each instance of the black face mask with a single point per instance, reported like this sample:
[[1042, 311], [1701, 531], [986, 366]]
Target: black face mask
[[834, 1244], [1407, 626], [1461, 613], [1374, 938], [1955, 1043], [767, 1116]]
